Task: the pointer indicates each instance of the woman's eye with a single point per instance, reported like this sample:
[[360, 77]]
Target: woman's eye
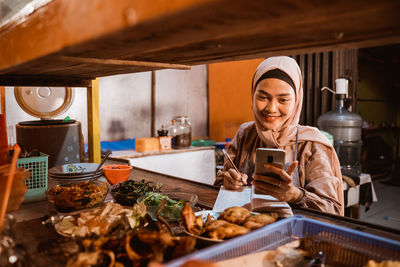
[[262, 97], [283, 100]]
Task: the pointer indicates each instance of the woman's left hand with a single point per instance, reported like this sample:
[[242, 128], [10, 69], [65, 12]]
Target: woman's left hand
[[283, 188]]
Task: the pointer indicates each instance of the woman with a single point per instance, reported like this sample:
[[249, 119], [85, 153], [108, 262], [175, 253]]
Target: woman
[[312, 177]]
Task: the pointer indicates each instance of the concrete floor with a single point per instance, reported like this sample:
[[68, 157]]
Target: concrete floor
[[387, 210]]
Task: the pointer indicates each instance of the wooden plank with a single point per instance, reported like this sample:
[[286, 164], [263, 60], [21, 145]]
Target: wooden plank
[[317, 88], [326, 106], [309, 84], [186, 32], [207, 193], [29, 80], [2, 100], [56, 25], [93, 122], [124, 63]]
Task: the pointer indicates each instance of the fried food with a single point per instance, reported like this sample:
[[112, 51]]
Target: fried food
[[98, 258], [231, 222], [257, 221], [102, 220], [192, 223], [236, 215], [144, 246], [209, 220], [215, 224], [227, 230], [388, 263]]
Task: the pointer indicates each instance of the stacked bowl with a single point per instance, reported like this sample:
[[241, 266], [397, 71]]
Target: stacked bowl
[[73, 173]]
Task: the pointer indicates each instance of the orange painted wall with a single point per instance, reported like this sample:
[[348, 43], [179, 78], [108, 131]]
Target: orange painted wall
[[229, 86]]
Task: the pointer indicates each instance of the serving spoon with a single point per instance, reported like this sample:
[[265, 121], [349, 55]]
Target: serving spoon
[[94, 178]]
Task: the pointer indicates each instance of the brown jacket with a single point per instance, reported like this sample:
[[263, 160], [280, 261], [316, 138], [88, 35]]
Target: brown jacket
[[317, 179]]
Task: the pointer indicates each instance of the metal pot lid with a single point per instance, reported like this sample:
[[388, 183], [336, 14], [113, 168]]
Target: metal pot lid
[[44, 102], [45, 122]]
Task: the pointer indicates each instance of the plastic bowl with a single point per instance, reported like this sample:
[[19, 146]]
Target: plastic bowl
[[77, 196], [117, 173], [126, 193], [170, 213]]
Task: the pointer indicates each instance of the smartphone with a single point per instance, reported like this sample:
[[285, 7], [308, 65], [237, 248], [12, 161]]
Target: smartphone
[[271, 156]]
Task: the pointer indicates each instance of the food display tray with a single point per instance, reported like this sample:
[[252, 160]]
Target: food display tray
[[287, 230]]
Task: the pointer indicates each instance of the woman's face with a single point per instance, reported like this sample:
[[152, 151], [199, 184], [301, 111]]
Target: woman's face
[[274, 101]]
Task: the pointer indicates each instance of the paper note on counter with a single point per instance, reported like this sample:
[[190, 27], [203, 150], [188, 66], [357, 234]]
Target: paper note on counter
[[229, 198]]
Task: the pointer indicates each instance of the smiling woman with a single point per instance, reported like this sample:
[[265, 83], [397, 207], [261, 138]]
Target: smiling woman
[[311, 177]]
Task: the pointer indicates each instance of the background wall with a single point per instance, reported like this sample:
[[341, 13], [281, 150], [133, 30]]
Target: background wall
[[183, 93], [230, 96], [125, 103]]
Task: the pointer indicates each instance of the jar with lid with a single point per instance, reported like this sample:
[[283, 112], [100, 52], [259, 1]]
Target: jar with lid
[[183, 137]]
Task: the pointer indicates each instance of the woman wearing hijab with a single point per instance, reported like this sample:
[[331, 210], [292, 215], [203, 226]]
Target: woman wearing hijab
[[312, 177]]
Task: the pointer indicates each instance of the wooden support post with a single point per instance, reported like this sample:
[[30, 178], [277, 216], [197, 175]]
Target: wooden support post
[[153, 103], [93, 121], [2, 100]]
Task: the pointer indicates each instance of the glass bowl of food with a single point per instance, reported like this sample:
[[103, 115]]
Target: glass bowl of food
[[127, 193], [173, 206], [76, 196]]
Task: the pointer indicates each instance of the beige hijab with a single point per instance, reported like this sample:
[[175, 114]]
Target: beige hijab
[[287, 134]]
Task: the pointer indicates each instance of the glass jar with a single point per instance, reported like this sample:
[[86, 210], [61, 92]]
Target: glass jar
[[183, 137], [163, 131]]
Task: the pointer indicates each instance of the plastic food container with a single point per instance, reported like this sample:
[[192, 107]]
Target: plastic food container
[[350, 247], [170, 212], [117, 173], [76, 196]]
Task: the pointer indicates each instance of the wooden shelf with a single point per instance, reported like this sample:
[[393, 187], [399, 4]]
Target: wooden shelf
[[70, 42]]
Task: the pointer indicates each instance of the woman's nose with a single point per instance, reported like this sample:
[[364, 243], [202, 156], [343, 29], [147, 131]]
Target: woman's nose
[[271, 106]]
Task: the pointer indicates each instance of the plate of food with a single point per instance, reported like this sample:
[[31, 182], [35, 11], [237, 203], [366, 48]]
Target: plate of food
[[127, 193], [173, 207], [77, 195], [212, 227], [100, 221]]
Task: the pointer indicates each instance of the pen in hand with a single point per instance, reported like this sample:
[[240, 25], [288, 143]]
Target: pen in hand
[[232, 164]]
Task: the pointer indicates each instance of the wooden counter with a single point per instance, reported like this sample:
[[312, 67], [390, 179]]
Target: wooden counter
[[43, 242]]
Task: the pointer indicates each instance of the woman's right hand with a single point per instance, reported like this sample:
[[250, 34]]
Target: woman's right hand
[[234, 180]]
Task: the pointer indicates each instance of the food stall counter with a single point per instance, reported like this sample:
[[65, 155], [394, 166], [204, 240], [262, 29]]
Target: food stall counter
[[44, 244]]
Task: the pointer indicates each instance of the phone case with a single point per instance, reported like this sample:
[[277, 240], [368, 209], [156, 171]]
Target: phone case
[[269, 156]]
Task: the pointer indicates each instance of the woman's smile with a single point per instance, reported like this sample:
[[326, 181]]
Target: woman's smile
[[271, 118]]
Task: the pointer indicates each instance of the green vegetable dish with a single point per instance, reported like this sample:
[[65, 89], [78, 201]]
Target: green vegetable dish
[[173, 206], [154, 199], [128, 192]]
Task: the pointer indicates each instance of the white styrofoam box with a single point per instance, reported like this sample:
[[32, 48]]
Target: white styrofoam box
[[198, 165]]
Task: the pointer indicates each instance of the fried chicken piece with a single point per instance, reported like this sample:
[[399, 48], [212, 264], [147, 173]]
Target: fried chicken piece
[[199, 221], [192, 223], [211, 226], [257, 221], [227, 230], [235, 215], [209, 220]]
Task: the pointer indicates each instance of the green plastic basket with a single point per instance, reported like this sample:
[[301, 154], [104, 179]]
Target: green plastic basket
[[37, 183]]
